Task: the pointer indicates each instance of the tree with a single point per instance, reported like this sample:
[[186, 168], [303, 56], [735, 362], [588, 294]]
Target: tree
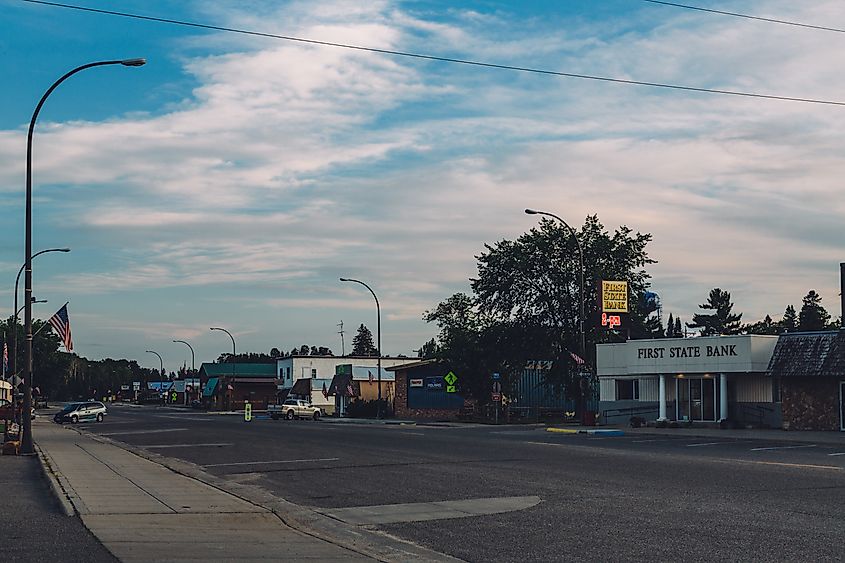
[[670, 327], [428, 350], [766, 326], [526, 297], [275, 353], [679, 328], [812, 316], [304, 349], [362, 344], [721, 321], [790, 319]]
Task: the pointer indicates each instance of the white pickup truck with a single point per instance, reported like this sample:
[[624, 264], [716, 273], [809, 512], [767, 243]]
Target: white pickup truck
[[294, 408]]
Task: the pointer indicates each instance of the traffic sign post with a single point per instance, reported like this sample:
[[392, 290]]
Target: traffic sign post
[[451, 379]]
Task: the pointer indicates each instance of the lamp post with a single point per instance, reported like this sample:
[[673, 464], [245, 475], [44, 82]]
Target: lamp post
[[17, 311], [26, 443], [160, 373], [378, 338], [192, 354], [234, 354], [192, 367], [582, 339]]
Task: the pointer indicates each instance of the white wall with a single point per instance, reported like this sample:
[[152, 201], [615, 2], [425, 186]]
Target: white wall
[[300, 366]]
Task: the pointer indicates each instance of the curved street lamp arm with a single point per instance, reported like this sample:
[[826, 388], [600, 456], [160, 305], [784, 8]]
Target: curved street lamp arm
[[193, 363]]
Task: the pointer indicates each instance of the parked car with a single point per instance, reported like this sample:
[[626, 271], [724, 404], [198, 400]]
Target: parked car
[[81, 412], [294, 408]]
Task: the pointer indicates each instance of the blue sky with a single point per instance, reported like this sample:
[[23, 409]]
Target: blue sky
[[233, 179]]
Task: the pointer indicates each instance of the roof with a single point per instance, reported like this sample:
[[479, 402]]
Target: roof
[[210, 386], [241, 370], [411, 365], [809, 354]]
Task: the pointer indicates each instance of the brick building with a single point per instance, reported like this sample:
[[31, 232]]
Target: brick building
[[422, 392]]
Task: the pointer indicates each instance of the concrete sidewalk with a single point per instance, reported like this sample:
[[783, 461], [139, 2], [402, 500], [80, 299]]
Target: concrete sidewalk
[[143, 511]]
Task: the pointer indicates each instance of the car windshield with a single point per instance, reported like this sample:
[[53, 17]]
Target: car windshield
[[71, 407]]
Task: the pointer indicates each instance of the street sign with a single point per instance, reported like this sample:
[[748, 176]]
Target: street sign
[[451, 378], [136, 385], [451, 389], [496, 397], [16, 380], [496, 376], [497, 387]]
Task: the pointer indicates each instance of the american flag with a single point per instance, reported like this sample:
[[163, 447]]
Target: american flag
[[5, 358], [61, 324], [371, 375], [325, 391], [578, 359]]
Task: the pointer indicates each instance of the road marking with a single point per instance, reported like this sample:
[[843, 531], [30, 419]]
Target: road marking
[[276, 461], [142, 431], [782, 448], [411, 433], [782, 464], [838, 453], [655, 440], [220, 445], [421, 511], [716, 443]]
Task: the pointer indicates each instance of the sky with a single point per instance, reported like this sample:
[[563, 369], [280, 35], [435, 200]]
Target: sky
[[233, 179]]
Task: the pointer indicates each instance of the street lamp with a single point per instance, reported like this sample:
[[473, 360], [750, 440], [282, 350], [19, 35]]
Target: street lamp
[[17, 311], [160, 373], [583, 297], [378, 337], [192, 353], [34, 301], [26, 443], [234, 353]]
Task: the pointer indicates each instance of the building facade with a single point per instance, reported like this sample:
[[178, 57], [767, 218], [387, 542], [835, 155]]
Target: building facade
[[706, 379]]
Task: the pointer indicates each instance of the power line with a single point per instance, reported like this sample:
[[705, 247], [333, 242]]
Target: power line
[[746, 16], [437, 58]]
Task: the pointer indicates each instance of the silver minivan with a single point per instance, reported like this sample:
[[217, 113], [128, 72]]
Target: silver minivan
[[81, 412]]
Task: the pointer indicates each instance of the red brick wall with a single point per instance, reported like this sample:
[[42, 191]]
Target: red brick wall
[[811, 403]]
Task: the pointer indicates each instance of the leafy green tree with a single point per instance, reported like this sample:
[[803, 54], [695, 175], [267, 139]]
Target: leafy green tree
[[813, 316], [722, 320], [362, 343], [790, 319], [275, 353], [525, 302]]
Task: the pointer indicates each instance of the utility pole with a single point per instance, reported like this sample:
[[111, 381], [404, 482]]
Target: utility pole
[[342, 344]]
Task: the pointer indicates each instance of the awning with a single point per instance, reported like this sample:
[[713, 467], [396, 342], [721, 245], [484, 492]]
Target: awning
[[210, 385]]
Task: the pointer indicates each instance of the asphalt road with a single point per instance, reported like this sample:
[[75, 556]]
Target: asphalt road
[[603, 499]]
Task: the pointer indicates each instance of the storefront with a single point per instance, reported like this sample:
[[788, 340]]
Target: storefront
[[696, 380]]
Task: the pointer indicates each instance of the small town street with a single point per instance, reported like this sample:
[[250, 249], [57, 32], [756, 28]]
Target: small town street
[[632, 497]]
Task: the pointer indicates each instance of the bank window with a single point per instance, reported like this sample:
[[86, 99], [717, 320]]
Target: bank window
[[313, 373], [287, 373], [627, 389]]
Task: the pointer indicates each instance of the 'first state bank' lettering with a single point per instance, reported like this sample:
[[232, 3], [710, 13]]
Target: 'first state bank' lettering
[[686, 352]]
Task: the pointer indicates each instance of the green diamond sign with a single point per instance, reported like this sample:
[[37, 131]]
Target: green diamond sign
[[451, 378]]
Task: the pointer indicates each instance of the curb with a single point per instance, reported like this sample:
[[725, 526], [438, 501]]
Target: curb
[[597, 432], [45, 462], [380, 545]]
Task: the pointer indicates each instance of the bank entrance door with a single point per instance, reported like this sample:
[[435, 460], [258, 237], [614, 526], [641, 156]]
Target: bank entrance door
[[696, 398]]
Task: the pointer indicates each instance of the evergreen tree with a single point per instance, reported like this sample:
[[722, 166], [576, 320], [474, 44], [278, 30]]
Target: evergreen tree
[[721, 321], [362, 344], [790, 319], [813, 316], [670, 327], [766, 326], [679, 328], [428, 350]]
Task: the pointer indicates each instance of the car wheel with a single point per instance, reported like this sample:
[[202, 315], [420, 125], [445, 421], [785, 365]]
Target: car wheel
[[100, 417], [316, 415], [74, 419], [290, 415]]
